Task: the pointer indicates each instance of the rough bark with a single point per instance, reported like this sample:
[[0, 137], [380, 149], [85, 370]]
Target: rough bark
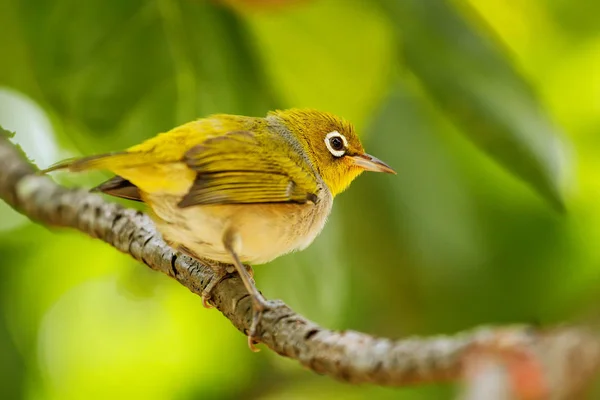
[[518, 360]]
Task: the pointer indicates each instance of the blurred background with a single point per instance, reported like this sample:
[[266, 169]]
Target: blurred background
[[488, 109]]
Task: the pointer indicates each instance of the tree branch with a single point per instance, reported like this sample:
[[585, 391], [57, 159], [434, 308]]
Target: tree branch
[[567, 356]]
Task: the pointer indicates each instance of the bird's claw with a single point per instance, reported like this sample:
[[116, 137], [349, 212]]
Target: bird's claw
[[206, 301], [259, 306], [251, 345], [221, 273]]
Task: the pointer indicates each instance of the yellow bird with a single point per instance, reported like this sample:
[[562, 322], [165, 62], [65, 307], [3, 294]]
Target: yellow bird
[[231, 189]]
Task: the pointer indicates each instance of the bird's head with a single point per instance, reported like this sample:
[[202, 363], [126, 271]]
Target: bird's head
[[332, 145]]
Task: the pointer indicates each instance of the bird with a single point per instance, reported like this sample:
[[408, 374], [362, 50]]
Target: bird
[[235, 190]]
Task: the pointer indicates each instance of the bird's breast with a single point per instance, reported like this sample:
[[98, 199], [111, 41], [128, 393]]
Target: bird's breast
[[265, 231]]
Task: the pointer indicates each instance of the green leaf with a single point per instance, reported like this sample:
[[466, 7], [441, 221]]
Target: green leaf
[[470, 78], [426, 173], [121, 72]]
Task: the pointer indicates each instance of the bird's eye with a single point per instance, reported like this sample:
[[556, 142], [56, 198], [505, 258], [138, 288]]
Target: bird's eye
[[336, 143]]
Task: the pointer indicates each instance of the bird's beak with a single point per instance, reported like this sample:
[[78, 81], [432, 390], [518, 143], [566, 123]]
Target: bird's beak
[[370, 163]]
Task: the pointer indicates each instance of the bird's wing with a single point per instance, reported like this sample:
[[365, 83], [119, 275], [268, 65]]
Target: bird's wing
[[243, 168]]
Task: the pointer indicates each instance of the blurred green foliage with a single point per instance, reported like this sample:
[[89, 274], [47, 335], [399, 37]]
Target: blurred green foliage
[[463, 98]]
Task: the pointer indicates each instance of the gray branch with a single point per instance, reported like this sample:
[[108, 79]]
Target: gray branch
[[568, 356]]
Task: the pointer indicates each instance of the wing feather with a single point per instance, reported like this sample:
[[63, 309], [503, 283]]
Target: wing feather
[[242, 168]]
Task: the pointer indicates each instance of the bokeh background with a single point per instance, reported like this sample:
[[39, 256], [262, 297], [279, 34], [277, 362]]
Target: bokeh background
[[488, 109]]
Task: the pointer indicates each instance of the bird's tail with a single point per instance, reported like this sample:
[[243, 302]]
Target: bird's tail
[[109, 161], [140, 170]]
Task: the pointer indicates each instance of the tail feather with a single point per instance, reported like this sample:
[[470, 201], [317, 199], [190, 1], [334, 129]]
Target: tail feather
[[140, 172], [107, 161]]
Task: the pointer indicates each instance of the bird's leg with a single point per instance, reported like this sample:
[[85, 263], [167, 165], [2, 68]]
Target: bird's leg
[[259, 304]]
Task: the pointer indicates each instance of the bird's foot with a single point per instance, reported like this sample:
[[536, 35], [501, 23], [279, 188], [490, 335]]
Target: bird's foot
[[259, 306], [221, 271]]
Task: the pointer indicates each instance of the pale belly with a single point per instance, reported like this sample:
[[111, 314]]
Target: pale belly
[[263, 232]]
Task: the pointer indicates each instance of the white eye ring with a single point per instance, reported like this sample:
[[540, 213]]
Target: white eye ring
[[336, 153]]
